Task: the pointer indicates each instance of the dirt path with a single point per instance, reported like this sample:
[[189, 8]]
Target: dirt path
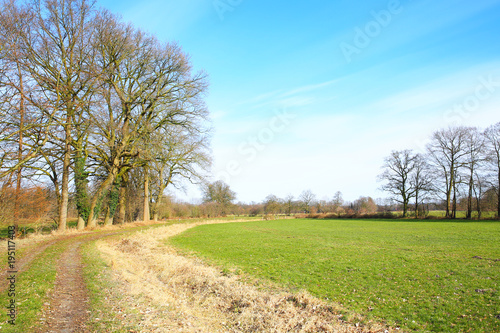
[[26, 260], [69, 303]]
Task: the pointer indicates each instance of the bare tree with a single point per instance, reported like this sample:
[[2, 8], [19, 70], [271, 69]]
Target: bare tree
[[289, 204], [365, 205], [271, 204], [492, 135], [480, 188], [447, 152], [422, 181], [179, 155], [25, 118], [322, 206], [307, 198], [398, 172], [219, 192], [337, 203], [474, 146]]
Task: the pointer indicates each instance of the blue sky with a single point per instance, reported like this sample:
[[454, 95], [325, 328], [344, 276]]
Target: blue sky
[[314, 94]]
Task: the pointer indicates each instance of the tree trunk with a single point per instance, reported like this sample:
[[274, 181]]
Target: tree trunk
[[448, 206], [498, 196], [454, 208], [63, 208], [479, 212], [161, 187], [448, 197], [122, 202], [478, 193], [154, 208], [146, 216], [416, 205], [81, 192], [108, 220], [81, 223], [113, 198], [92, 222], [469, 199]]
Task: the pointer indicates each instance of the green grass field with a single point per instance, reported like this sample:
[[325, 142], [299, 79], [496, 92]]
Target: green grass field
[[428, 276]]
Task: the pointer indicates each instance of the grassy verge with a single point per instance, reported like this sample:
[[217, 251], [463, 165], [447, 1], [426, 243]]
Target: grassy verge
[[102, 294], [32, 290], [425, 276]]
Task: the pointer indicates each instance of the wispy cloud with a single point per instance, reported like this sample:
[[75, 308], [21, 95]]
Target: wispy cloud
[[440, 94], [297, 97], [309, 88]]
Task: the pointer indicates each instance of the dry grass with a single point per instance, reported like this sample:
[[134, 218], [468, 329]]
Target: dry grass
[[31, 240], [34, 238], [168, 292]]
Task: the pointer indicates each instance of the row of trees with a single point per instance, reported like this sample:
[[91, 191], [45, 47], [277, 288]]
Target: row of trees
[[221, 197], [461, 164], [96, 108], [305, 203]]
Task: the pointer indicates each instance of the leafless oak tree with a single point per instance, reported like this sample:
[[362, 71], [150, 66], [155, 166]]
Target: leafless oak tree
[[447, 152], [398, 174], [492, 135]]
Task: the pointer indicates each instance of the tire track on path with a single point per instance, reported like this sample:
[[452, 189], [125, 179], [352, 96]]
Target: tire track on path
[[69, 301], [69, 304], [23, 263]]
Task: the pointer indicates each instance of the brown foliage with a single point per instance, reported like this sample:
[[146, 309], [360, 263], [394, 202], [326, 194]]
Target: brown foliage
[[31, 204]]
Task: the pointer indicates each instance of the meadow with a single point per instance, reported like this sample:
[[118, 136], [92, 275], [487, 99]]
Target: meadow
[[437, 276]]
